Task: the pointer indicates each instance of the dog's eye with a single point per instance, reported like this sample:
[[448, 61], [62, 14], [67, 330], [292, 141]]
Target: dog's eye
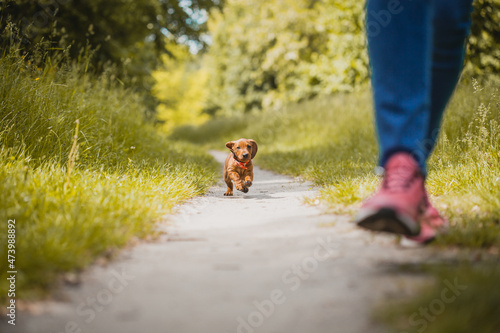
[[237, 147], [249, 147]]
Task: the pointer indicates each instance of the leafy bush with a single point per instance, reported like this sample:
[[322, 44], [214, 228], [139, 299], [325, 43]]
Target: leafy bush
[[127, 33], [267, 53], [180, 88], [484, 42]]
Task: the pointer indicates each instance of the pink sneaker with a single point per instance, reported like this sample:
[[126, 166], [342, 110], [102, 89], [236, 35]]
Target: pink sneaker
[[400, 202], [431, 223]]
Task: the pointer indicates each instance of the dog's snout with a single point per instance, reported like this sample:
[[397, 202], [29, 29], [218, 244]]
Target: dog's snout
[[245, 155]]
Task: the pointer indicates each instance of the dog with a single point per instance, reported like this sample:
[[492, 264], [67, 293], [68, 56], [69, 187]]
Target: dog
[[238, 167]]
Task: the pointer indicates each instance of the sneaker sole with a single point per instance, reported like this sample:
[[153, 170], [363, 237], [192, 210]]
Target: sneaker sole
[[387, 220], [411, 243]]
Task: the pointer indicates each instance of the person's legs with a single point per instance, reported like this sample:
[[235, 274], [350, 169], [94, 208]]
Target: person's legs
[[400, 53], [416, 55], [452, 19], [416, 52], [400, 49], [451, 25]]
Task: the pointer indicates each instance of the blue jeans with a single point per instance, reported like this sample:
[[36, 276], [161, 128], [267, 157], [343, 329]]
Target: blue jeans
[[416, 50]]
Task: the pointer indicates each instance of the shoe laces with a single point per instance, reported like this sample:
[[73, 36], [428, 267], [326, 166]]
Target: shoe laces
[[399, 178]]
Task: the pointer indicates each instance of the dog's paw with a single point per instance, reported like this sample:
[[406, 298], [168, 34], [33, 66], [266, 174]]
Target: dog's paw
[[228, 194], [248, 183], [244, 190]]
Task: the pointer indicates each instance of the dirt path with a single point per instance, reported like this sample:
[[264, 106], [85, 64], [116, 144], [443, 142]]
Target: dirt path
[[256, 262]]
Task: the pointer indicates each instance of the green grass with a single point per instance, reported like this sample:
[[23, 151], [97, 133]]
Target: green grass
[[123, 175], [331, 141]]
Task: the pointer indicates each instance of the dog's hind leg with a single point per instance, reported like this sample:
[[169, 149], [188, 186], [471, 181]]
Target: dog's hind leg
[[229, 191]]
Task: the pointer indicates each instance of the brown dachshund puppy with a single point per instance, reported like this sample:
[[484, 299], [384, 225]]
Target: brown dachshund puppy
[[238, 167]]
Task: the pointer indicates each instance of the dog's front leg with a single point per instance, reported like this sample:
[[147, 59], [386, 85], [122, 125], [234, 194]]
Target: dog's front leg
[[237, 182], [248, 180]]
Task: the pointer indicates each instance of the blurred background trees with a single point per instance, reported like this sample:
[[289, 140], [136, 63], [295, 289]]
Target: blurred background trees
[[180, 88], [484, 42], [127, 35], [267, 53], [216, 57]]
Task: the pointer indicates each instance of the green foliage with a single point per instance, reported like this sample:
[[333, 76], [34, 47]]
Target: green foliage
[[268, 53], [125, 175], [484, 42], [331, 141], [128, 35], [180, 88], [116, 26]]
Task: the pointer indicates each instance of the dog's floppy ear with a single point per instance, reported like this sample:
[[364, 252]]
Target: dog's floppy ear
[[230, 145], [254, 147]]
